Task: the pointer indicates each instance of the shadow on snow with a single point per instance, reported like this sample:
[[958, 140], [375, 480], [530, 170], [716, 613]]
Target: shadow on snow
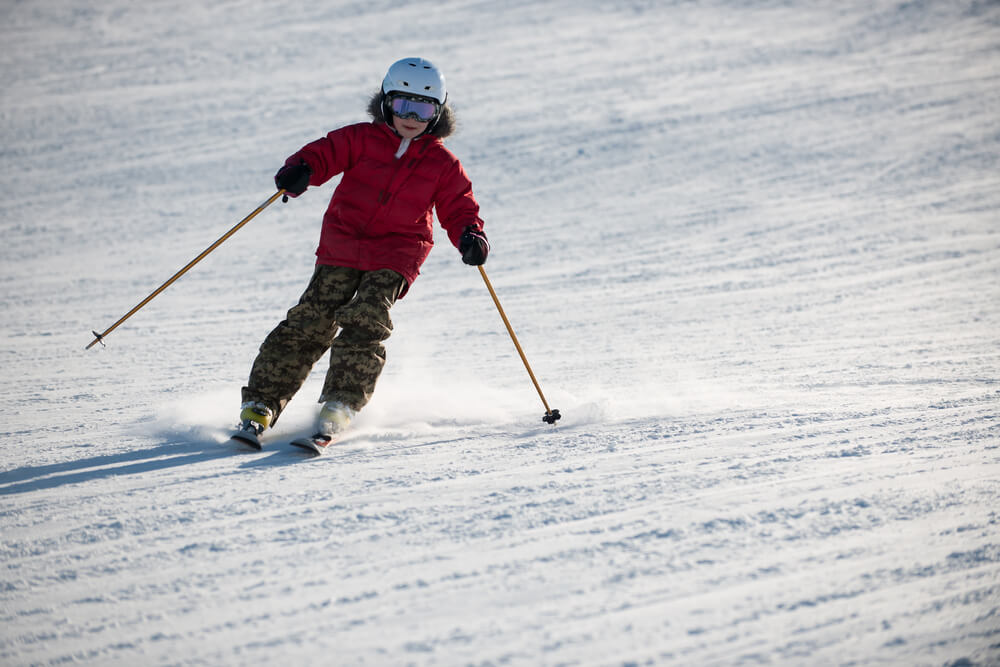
[[153, 459]]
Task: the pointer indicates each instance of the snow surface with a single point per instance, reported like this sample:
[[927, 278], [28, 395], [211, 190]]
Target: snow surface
[[751, 250]]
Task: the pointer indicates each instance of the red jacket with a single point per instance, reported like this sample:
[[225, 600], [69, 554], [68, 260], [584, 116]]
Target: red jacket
[[380, 214]]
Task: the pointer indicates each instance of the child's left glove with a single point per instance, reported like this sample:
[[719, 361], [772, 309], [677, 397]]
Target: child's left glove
[[473, 246]]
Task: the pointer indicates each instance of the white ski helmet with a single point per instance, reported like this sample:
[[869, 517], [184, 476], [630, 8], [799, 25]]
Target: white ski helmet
[[415, 76]]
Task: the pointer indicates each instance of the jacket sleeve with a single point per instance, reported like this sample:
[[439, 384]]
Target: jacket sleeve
[[330, 155], [455, 204]]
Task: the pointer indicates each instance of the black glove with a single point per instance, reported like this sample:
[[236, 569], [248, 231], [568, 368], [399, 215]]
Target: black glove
[[473, 246], [293, 178]]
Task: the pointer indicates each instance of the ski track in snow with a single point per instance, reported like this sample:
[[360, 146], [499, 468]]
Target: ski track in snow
[[751, 250]]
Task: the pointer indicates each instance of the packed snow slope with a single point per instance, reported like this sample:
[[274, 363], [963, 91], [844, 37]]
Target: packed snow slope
[[751, 250]]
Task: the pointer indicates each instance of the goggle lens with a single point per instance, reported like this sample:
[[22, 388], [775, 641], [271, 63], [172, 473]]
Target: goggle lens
[[407, 107]]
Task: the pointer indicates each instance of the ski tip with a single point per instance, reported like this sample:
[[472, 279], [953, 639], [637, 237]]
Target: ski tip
[[246, 440], [316, 444]]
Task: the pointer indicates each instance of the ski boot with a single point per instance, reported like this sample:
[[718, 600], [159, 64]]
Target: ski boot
[[254, 419], [334, 418]]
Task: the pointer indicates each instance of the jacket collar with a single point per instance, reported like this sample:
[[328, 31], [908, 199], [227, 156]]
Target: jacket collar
[[385, 127]]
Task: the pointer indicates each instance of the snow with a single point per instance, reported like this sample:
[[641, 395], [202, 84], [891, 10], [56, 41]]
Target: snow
[[751, 251]]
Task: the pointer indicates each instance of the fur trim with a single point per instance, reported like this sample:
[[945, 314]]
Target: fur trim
[[445, 126]]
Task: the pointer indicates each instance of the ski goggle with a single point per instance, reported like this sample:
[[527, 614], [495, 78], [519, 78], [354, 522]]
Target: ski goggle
[[411, 107]]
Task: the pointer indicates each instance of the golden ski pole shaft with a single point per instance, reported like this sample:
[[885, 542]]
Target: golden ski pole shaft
[[99, 337], [549, 413]]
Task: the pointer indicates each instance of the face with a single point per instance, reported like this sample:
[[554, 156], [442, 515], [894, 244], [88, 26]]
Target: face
[[408, 128]]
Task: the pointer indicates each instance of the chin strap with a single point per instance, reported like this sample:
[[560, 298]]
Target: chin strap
[[403, 145]]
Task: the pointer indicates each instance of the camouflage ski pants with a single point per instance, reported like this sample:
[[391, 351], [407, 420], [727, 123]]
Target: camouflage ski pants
[[354, 301]]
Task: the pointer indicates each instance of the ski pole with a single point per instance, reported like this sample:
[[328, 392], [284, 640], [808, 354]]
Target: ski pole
[[550, 416], [99, 337]]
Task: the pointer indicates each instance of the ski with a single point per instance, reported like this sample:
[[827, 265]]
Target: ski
[[316, 443]]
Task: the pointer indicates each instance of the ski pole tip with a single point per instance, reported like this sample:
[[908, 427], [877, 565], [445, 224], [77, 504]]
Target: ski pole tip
[[551, 417], [98, 338]]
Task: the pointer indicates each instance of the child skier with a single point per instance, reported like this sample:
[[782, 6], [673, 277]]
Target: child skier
[[377, 231]]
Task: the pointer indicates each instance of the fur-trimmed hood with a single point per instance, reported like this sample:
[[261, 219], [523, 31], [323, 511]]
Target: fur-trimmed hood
[[445, 126]]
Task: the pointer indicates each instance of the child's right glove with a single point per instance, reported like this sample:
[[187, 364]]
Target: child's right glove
[[473, 246], [293, 178]]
